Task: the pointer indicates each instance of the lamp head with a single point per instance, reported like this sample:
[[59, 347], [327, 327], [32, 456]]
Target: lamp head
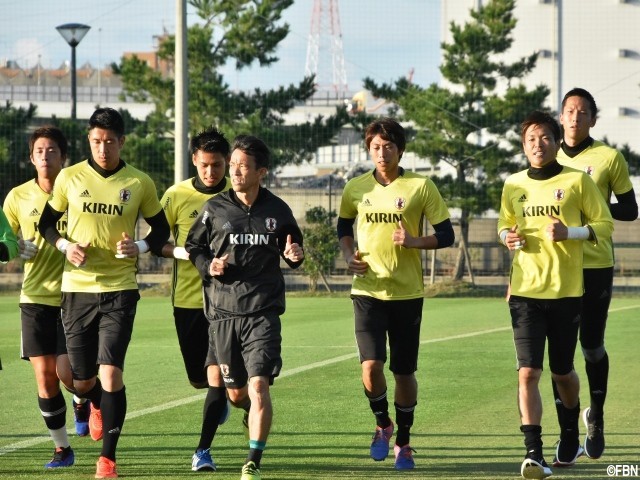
[[73, 33]]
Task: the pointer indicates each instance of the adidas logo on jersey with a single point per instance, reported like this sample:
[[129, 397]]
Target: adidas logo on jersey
[[85, 194], [193, 214], [34, 213], [227, 226], [523, 198], [366, 203]]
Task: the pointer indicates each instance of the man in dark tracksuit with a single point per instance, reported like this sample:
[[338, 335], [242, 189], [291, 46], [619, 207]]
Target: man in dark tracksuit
[[236, 244]]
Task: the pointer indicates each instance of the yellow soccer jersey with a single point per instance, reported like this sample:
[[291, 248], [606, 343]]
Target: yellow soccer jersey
[[608, 168], [542, 268], [395, 272], [43, 273], [182, 203], [99, 209]]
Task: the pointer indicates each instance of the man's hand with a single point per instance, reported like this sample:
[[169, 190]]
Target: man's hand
[[218, 265], [126, 247], [356, 265], [513, 240], [401, 237], [293, 251], [556, 230], [77, 253]]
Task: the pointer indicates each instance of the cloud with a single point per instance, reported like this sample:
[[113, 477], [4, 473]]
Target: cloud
[[25, 51]]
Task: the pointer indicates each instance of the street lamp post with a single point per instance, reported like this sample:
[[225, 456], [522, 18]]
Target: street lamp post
[[73, 33]]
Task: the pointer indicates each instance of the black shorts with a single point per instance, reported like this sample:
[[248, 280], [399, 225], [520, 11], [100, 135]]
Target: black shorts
[[192, 328], [98, 327], [598, 284], [535, 321], [400, 319], [246, 347], [42, 331]]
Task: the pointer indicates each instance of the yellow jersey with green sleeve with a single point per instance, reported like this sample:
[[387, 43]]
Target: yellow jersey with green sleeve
[[395, 272], [99, 210], [545, 269], [608, 168], [42, 277], [182, 204]]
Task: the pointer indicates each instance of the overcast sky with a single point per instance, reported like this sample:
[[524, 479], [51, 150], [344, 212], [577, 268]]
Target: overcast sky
[[385, 40]]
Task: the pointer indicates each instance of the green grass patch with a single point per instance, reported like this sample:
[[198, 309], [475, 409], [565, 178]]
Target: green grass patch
[[466, 424]]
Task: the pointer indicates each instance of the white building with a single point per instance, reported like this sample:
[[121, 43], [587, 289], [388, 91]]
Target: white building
[[593, 44]]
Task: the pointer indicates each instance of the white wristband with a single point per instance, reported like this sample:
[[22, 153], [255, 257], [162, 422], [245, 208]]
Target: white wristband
[[180, 253], [578, 233], [62, 245], [142, 246], [503, 236]]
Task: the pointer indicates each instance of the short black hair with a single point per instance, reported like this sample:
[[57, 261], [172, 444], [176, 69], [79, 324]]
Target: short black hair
[[254, 147], [52, 133], [389, 130], [581, 92], [107, 119], [210, 140], [538, 117]]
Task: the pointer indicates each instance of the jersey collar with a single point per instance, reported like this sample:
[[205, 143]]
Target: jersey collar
[[202, 188], [581, 147], [545, 173], [106, 173]]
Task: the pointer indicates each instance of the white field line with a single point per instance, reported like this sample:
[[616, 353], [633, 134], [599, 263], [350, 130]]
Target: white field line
[[286, 373], [630, 307]]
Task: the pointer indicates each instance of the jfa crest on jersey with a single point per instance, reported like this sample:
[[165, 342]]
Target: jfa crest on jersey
[[558, 194], [270, 224], [125, 195], [399, 203]]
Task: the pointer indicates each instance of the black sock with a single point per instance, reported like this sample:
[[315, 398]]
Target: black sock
[[255, 456], [558, 402], [212, 411], [54, 411], [570, 422], [404, 421], [532, 438], [114, 409], [598, 375], [246, 406], [380, 408], [95, 394]]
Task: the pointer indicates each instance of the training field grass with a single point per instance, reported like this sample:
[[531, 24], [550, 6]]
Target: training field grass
[[466, 424]]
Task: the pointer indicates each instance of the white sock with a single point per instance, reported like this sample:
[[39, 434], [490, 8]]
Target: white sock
[[60, 437]]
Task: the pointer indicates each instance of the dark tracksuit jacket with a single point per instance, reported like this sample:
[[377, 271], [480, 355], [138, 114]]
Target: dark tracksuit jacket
[[255, 238]]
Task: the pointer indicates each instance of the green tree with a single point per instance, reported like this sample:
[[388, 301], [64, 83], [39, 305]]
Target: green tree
[[244, 32], [14, 149], [471, 122], [320, 245], [76, 134]]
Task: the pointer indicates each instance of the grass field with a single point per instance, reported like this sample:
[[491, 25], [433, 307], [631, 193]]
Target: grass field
[[466, 424]]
